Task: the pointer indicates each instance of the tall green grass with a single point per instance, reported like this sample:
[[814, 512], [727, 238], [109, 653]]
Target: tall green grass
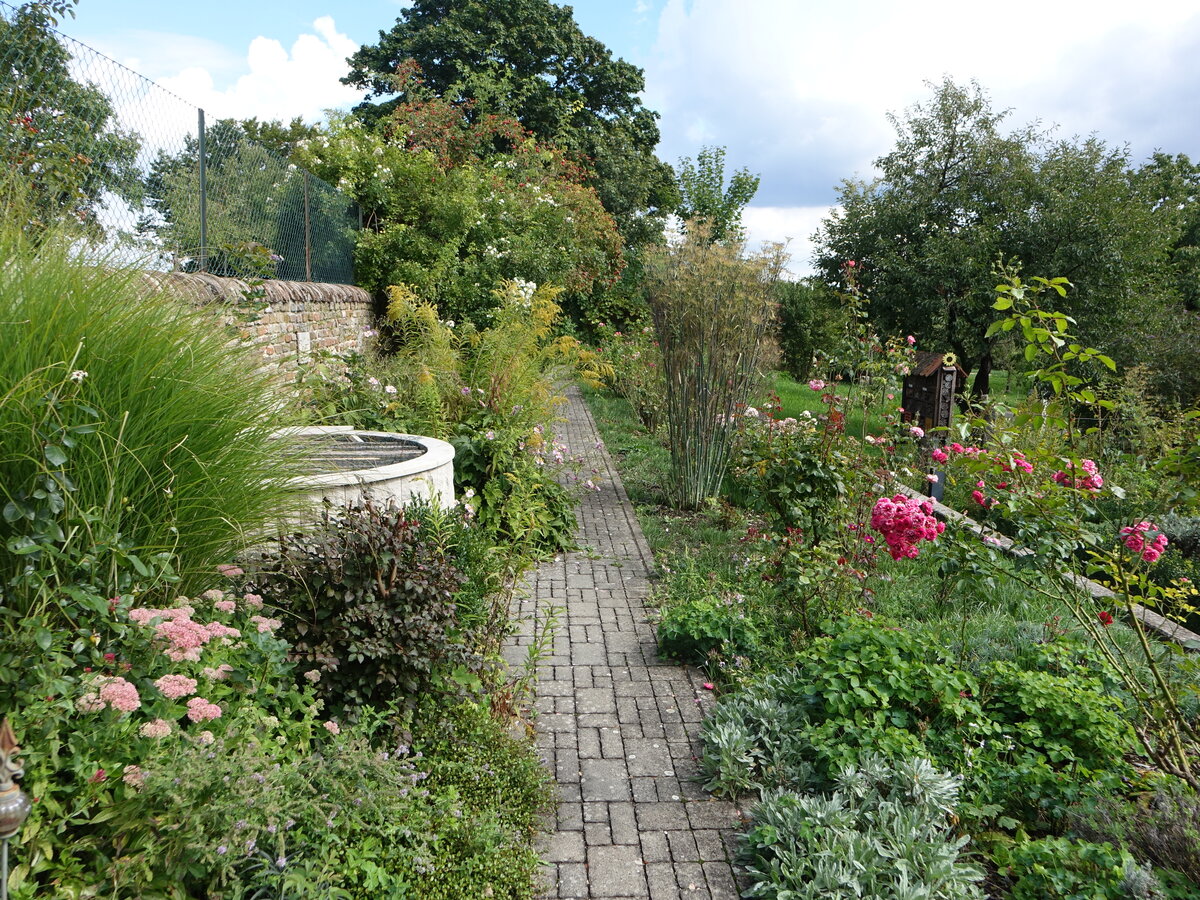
[[161, 448]]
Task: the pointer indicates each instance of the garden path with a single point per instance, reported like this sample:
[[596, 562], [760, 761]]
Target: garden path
[[618, 726]]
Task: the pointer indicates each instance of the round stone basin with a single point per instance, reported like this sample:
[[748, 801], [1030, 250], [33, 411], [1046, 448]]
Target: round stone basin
[[346, 463]]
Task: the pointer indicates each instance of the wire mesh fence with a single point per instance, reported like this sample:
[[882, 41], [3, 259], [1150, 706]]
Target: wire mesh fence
[[145, 174]]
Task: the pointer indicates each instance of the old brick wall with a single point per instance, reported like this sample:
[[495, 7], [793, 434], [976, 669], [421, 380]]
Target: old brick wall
[[299, 319]]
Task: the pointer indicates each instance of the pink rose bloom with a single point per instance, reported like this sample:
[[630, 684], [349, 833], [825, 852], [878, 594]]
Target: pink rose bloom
[[817, 384], [911, 340], [940, 455], [176, 686], [917, 431], [120, 694]]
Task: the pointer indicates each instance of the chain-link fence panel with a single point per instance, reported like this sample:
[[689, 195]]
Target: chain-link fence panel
[[144, 173]]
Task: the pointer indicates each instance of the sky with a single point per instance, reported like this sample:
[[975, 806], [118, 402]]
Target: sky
[[798, 91]]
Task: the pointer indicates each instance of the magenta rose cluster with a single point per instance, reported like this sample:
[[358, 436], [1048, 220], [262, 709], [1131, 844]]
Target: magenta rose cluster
[[1137, 538], [904, 522]]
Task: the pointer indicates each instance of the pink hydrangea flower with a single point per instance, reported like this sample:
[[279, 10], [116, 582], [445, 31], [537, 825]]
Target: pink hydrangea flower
[[174, 687], [90, 703]]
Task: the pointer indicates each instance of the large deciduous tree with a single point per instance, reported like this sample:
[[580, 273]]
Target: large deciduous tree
[[528, 60], [957, 193]]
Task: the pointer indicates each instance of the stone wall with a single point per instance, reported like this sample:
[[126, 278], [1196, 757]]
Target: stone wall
[[299, 319]]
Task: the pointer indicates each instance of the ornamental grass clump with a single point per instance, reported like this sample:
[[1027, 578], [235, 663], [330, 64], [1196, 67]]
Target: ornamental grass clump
[[130, 429], [712, 308]]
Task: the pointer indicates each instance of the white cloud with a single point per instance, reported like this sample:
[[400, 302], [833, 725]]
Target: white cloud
[[793, 225], [279, 84], [799, 91]]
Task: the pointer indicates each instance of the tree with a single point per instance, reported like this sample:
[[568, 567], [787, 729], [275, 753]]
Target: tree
[[528, 60], [59, 143], [255, 205], [957, 194], [706, 198]]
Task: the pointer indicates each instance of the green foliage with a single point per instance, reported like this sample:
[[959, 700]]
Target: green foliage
[[369, 604], [527, 60], [635, 369], [809, 321], [1061, 869], [61, 148], [450, 215], [884, 834], [690, 630], [706, 200], [711, 309], [790, 470], [129, 428]]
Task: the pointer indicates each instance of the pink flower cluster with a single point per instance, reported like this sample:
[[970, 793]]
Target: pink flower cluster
[[185, 637], [265, 625], [201, 710], [904, 522], [219, 673], [115, 692], [1135, 539], [175, 686], [159, 728], [1092, 481]]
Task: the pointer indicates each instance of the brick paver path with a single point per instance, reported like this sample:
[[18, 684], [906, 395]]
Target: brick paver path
[[618, 726]]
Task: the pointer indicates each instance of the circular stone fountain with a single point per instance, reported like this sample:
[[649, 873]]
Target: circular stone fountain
[[346, 463]]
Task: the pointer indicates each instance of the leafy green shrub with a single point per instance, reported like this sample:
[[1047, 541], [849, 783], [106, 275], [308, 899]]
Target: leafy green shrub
[[368, 603], [1056, 868], [883, 833], [864, 687], [129, 427], [691, 630]]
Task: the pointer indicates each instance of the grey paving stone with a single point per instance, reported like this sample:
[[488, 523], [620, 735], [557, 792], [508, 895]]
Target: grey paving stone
[[616, 872], [604, 779]]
